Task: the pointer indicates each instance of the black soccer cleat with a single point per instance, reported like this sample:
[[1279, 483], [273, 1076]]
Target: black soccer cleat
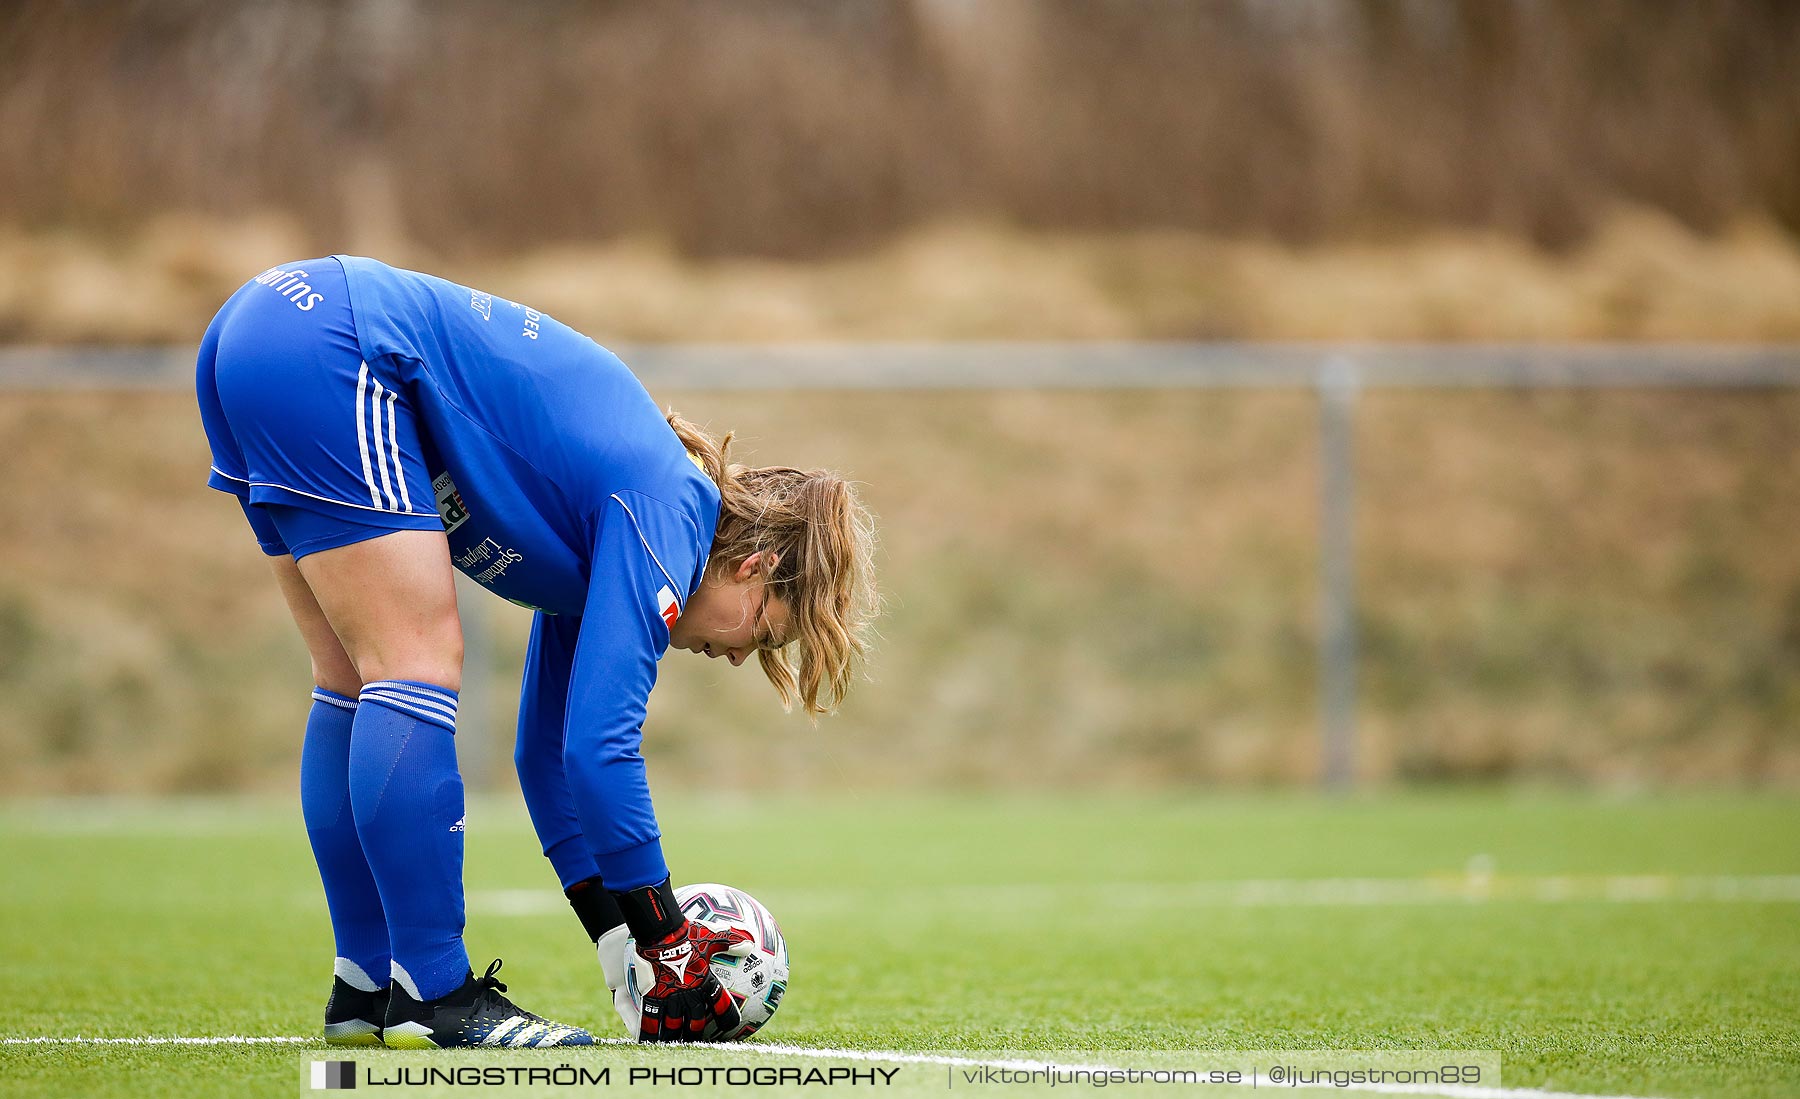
[[476, 1014], [353, 1017]]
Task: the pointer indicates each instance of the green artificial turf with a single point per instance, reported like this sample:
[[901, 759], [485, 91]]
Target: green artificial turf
[[975, 923]]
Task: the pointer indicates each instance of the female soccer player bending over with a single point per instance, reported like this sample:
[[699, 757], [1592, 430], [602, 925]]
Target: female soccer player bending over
[[379, 426]]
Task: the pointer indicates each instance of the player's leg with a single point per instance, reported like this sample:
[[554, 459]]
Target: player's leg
[[359, 987], [391, 602], [331, 667]]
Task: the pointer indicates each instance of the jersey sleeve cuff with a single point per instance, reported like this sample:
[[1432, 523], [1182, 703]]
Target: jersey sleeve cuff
[[633, 867], [572, 860]]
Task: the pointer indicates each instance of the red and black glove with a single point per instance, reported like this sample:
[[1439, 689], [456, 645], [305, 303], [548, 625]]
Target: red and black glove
[[685, 995]]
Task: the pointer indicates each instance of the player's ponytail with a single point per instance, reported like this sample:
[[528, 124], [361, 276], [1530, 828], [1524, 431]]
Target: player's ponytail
[[701, 444], [824, 539]]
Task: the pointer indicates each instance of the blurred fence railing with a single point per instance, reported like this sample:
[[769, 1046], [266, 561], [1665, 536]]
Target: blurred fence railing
[[859, 366], [1335, 372]]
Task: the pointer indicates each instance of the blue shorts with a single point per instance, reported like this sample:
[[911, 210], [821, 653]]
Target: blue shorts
[[321, 448]]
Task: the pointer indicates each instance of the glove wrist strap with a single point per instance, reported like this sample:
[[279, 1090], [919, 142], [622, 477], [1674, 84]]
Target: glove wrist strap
[[594, 907], [650, 912]]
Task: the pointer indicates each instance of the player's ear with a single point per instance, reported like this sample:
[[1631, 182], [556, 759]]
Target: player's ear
[[747, 567], [762, 562]]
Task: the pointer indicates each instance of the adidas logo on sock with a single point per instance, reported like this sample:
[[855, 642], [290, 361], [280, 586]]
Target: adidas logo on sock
[[458, 826]]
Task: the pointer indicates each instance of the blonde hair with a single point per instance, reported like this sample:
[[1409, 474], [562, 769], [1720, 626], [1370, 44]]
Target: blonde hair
[[823, 542]]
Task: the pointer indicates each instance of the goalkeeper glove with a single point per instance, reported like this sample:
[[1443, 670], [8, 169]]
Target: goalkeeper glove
[[684, 995]]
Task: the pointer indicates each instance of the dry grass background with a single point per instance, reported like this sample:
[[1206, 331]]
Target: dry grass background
[[1557, 587], [1641, 276]]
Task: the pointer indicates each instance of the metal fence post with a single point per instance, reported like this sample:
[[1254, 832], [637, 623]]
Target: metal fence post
[[1337, 385]]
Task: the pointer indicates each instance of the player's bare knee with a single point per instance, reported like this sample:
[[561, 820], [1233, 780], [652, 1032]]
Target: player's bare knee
[[432, 655], [340, 679], [333, 670]]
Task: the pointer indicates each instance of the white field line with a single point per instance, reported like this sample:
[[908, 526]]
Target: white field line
[[777, 1049], [1278, 892]]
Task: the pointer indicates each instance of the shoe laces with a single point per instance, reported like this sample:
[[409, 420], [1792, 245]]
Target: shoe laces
[[488, 980], [490, 988]]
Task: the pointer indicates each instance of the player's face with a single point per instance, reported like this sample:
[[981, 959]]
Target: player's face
[[733, 616]]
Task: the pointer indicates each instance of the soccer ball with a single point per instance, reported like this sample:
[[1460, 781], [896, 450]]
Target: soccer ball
[[757, 981]]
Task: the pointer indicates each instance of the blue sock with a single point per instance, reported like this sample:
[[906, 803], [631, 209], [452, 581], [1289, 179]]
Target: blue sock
[[356, 917], [408, 800]]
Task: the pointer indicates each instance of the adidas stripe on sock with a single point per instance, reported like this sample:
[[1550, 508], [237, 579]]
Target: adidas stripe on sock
[[421, 700]]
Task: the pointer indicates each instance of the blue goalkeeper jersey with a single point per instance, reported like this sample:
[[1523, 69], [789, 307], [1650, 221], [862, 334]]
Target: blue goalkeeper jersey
[[561, 488]]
